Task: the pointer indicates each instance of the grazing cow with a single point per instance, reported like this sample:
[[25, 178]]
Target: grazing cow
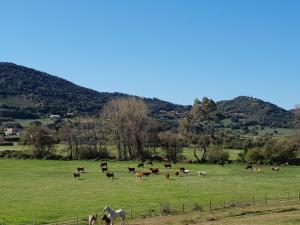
[[76, 174], [249, 167], [103, 164], [139, 175], [202, 173], [177, 172], [168, 165], [141, 165], [106, 220], [149, 163], [147, 174], [104, 169], [182, 169], [168, 176], [80, 169], [275, 168], [154, 170], [256, 169], [186, 172], [110, 175], [131, 169], [92, 219]]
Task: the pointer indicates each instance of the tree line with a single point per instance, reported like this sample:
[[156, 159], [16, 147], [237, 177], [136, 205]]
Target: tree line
[[125, 123]]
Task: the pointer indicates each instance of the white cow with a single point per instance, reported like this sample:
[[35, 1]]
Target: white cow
[[202, 173]]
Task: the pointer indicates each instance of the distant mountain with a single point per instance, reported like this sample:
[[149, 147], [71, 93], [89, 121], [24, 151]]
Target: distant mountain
[[28, 93], [252, 111]]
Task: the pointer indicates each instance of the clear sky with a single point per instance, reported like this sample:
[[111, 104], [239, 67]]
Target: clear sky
[[173, 50]]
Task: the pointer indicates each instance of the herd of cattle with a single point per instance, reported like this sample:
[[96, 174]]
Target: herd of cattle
[[140, 172]]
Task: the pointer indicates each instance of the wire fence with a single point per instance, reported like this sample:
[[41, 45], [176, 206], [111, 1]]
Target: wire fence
[[180, 208]]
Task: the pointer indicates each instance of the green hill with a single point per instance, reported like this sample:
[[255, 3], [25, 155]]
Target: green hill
[[26, 93]]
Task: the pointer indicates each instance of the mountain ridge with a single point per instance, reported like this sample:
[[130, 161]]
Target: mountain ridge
[[30, 91]]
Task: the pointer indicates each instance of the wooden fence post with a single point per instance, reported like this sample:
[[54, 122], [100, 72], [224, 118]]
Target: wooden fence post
[[266, 199], [277, 198], [210, 205], [130, 214], [253, 200], [183, 207]]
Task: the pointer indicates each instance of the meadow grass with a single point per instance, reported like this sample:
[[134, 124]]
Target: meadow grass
[[47, 191]]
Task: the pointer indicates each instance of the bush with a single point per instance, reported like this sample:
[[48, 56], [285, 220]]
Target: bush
[[256, 154], [281, 150], [216, 154]]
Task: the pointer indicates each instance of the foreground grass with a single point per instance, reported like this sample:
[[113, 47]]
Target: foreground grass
[[275, 214], [47, 191]]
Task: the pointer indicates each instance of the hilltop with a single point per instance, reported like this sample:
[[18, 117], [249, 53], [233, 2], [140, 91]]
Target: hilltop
[[28, 93]]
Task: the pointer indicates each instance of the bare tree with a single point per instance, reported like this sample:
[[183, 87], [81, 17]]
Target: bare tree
[[172, 143], [126, 119]]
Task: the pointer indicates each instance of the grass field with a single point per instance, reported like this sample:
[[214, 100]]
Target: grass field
[[47, 191]]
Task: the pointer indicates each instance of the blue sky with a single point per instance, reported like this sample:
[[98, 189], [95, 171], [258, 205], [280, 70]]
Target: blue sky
[[173, 50]]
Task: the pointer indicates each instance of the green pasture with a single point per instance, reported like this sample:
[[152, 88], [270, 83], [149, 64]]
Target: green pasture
[[47, 191]]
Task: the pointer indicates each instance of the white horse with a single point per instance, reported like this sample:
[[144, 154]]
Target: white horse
[[112, 214]]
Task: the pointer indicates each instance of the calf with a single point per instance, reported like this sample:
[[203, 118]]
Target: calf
[[276, 169], [104, 169], [92, 220], [168, 176], [177, 172], [139, 175], [168, 165], [110, 175], [202, 173], [76, 174], [106, 219], [80, 169], [131, 169]]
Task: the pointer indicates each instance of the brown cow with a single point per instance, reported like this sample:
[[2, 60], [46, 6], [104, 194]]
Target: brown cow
[[76, 174], [139, 175], [154, 170], [147, 174]]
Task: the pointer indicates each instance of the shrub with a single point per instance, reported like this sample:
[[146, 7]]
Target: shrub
[[216, 153], [256, 154]]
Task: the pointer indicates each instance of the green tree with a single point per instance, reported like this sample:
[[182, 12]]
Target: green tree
[[172, 143], [198, 126]]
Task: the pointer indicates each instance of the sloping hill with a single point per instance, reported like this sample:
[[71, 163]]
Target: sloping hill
[[27, 93], [254, 111]]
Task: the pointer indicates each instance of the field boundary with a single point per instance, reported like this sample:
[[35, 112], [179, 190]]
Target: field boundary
[[182, 208]]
